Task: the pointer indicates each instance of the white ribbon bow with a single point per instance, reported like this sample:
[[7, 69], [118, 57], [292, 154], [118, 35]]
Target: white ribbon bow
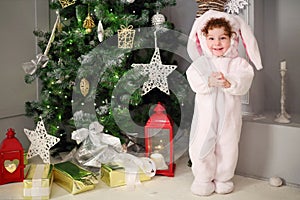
[[96, 135]]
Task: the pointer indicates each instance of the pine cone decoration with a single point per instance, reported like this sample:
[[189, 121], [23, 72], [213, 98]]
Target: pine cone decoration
[[205, 5]]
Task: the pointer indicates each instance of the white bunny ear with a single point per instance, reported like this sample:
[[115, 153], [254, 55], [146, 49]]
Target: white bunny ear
[[250, 43], [193, 46]]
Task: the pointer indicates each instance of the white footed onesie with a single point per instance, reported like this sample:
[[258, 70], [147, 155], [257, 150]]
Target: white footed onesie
[[217, 117]]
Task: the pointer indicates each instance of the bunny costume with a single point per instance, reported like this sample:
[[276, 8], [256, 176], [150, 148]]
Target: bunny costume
[[217, 118]]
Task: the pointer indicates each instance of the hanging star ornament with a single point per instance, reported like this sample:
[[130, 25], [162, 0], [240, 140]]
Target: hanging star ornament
[[157, 73], [41, 142]]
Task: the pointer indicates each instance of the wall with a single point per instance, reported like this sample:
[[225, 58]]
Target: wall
[[282, 29], [268, 150], [18, 19]]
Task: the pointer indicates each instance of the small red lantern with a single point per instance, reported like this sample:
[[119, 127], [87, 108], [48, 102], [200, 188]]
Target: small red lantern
[[11, 159], [159, 141]]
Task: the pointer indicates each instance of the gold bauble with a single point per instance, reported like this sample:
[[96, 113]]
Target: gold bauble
[[88, 30], [84, 87]]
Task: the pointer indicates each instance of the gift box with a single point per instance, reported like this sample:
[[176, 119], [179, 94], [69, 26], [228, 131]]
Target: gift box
[[73, 178], [38, 182], [126, 36], [114, 175]]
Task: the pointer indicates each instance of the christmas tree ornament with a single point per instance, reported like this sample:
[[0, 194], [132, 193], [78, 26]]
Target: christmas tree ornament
[[84, 87], [158, 19], [88, 23], [100, 31], [205, 5], [59, 26], [66, 3], [156, 71], [159, 141], [102, 110], [41, 142], [41, 60], [126, 37], [234, 6], [127, 1], [11, 159]]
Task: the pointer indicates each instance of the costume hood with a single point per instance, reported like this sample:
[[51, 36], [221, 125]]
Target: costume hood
[[197, 47]]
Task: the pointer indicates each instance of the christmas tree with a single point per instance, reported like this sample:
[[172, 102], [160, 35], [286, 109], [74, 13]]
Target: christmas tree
[[82, 66]]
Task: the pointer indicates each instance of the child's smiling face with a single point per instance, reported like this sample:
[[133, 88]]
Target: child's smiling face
[[218, 41]]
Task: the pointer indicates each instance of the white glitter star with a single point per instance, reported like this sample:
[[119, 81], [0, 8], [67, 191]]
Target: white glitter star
[[41, 142], [157, 73]]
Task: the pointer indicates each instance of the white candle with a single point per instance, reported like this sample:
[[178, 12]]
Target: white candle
[[283, 65]]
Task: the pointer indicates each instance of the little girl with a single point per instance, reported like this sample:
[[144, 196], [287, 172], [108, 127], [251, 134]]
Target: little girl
[[219, 78]]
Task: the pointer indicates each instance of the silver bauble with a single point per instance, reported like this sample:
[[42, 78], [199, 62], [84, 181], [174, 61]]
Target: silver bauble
[[158, 19]]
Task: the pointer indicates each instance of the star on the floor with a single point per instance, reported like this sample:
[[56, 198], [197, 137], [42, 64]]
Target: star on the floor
[[157, 73], [41, 142]]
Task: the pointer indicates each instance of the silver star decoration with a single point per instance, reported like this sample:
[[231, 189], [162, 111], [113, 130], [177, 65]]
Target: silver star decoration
[[41, 142], [157, 73]]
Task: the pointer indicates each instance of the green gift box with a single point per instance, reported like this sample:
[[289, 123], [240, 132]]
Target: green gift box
[[38, 182], [74, 178], [114, 175]]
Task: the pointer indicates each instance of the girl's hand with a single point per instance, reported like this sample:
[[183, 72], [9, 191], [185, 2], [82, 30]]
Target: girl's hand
[[226, 83], [217, 79]]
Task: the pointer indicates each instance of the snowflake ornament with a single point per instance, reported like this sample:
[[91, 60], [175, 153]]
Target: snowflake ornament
[[41, 142], [234, 6], [157, 73]]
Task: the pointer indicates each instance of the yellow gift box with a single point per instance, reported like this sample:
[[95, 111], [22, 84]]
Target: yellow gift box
[[114, 175], [73, 178], [38, 182]]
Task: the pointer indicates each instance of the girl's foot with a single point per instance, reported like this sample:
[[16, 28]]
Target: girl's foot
[[202, 189], [224, 187]]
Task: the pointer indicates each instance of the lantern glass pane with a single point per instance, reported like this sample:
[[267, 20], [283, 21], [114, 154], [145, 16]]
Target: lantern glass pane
[[160, 147]]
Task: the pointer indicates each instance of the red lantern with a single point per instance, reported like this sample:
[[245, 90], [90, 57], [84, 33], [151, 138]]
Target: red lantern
[[11, 159], [159, 141]]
